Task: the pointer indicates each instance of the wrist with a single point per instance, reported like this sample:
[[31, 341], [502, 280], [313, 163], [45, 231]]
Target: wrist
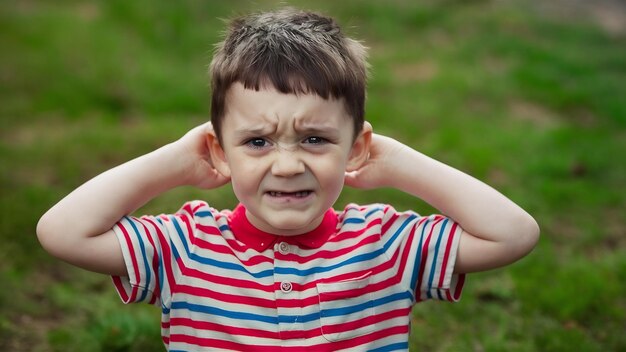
[[166, 168], [402, 169]]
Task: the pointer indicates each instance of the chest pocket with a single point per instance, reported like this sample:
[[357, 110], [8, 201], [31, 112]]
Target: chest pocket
[[346, 308]]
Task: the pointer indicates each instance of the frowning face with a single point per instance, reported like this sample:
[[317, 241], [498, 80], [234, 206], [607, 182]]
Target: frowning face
[[286, 155]]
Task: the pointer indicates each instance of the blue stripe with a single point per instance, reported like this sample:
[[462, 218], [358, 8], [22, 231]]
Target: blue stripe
[[316, 270], [353, 221], [224, 228], [359, 220], [174, 251], [418, 260], [147, 268], [356, 259], [398, 232], [334, 312], [162, 280], [369, 213], [290, 319], [436, 254], [402, 346], [213, 262], [223, 312], [203, 214]]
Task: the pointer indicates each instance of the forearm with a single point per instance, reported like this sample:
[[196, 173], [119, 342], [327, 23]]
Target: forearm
[[97, 205], [477, 207]]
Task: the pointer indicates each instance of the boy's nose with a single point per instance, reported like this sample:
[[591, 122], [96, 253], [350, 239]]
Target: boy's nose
[[287, 163]]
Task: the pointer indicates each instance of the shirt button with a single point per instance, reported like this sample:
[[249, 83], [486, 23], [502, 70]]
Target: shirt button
[[283, 248], [285, 286]]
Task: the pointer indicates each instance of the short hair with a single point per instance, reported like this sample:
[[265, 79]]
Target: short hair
[[297, 52]]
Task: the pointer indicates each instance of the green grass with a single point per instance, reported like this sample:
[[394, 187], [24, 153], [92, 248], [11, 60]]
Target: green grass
[[522, 96]]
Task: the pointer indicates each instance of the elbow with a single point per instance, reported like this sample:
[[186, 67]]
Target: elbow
[[48, 235], [527, 235], [43, 231]]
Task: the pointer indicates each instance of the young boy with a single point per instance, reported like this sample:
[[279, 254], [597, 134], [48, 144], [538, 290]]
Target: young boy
[[283, 268]]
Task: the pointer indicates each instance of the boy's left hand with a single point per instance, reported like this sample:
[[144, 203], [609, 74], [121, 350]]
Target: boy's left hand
[[377, 170]]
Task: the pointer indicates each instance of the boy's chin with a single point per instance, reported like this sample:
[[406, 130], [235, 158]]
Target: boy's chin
[[287, 223]]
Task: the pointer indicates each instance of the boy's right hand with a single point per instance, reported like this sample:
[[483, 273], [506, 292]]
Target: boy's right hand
[[194, 151]]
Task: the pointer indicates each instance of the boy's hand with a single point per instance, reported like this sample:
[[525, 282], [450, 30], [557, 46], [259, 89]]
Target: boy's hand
[[378, 170], [194, 151]]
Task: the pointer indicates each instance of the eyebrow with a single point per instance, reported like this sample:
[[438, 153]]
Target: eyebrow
[[309, 127], [252, 131], [324, 130]]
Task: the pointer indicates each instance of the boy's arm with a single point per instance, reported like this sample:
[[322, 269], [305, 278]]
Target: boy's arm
[[497, 232], [78, 228]]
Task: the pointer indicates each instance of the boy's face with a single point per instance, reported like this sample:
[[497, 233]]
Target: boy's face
[[286, 156]]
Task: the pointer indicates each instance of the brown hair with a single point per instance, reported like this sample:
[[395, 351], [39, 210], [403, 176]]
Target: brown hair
[[296, 52]]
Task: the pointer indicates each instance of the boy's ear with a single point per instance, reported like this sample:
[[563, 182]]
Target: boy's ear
[[360, 148], [218, 157]]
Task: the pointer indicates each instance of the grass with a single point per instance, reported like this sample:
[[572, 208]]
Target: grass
[[527, 97]]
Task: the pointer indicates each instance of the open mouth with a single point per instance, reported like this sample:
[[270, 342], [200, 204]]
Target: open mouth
[[298, 194]]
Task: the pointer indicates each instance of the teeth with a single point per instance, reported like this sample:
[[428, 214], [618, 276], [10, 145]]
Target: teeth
[[295, 194]]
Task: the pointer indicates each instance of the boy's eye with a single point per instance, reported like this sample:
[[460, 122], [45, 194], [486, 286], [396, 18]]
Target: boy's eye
[[257, 143], [314, 140]]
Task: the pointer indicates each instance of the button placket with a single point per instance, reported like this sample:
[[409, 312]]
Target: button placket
[[285, 291]]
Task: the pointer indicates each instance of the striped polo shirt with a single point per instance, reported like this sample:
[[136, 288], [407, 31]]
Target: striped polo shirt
[[222, 284]]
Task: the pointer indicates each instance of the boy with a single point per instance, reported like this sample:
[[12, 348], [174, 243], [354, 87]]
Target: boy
[[283, 268]]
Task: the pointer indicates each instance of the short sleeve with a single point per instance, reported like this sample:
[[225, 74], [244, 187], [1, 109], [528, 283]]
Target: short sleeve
[[142, 241], [427, 246], [151, 247]]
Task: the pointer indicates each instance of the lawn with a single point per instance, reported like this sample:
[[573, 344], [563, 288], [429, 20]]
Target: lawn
[[529, 97]]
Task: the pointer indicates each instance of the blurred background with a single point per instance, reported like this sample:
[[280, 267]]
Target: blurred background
[[528, 96]]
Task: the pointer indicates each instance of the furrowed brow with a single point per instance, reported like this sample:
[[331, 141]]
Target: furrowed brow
[[321, 130], [252, 131]]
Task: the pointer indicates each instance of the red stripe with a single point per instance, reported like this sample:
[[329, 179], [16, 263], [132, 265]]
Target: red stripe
[[389, 222], [367, 321], [345, 235], [424, 257], [384, 266], [326, 254], [133, 295], [444, 263], [227, 298], [209, 229], [404, 258], [190, 233], [330, 346], [156, 293], [166, 254], [117, 281], [459, 287], [224, 249], [219, 344], [221, 280], [288, 303], [360, 340]]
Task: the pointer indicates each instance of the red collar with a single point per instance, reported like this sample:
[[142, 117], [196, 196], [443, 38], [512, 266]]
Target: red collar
[[259, 240]]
